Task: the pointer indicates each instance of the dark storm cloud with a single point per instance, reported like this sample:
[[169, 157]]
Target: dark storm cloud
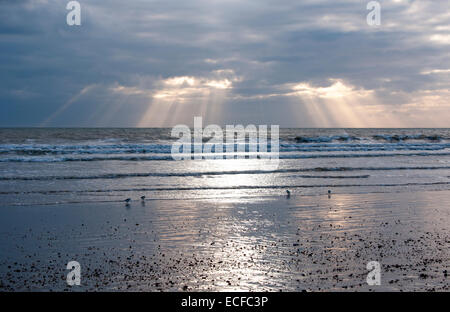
[[53, 74]]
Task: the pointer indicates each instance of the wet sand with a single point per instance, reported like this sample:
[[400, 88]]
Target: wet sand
[[301, 243]]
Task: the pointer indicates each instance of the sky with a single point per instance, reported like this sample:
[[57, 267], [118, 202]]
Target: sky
[[311, 63]]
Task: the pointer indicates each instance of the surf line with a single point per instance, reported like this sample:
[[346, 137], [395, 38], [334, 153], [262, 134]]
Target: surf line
[[193, 302]]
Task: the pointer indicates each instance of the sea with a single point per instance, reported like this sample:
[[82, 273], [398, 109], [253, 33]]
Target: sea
[[47, 166]]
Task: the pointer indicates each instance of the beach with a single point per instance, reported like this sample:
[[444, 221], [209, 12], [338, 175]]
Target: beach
[[300, 243], [356, 196]]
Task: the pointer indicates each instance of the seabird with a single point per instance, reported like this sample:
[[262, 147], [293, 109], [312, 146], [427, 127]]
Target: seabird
[[288, 193], [329, 191], [127, 200], [143, 197]]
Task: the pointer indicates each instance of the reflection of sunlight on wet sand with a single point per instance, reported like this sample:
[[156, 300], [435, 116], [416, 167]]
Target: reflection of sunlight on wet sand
[[245, 254], [339, 214], [230, 236]]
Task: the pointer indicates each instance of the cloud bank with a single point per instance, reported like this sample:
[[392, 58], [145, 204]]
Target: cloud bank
[[160, 63]]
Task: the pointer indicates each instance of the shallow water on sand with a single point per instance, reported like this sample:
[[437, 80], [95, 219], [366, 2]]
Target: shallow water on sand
[[277, 243]]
